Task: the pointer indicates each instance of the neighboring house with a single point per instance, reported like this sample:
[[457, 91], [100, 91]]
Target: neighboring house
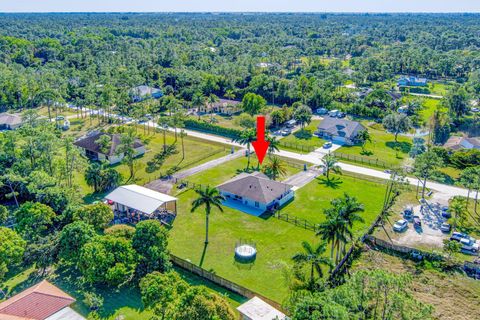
[[133, 201], [94, 151], [457, 143], [222, 106], [143, 92], [43, 301], [394, 95], [339, 130], [412, 82], [10, 121], [255, 193], [257, 309]]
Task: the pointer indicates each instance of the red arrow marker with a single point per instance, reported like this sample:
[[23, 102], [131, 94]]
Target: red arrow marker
[[260, 145]]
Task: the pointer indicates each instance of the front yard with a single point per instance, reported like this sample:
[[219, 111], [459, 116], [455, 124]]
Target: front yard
[[382, 148], [303, 138]]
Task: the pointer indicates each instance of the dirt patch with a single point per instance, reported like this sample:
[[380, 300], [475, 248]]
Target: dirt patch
[[454, 296]]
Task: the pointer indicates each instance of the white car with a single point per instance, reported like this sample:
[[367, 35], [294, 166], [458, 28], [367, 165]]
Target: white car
[[469, 245], [400, 225], [327, 145]]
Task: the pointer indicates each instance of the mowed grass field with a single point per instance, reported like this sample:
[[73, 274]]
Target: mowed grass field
[[197, 151], [382, 147], [311, 199], [276, 240], [303, 138]]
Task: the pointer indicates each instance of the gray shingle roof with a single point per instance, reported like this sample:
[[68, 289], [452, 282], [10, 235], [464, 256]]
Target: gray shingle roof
[[89, 143], [340, 127], [255, 186]]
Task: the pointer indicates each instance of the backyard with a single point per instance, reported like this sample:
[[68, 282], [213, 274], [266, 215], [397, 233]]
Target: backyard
[[276, 240]]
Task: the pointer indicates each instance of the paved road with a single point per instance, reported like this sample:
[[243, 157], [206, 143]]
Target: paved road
[[208, 165], [315, 158], [434, 96]]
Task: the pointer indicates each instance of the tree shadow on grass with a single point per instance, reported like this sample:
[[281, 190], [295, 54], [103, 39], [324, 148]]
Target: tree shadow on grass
[[333, 183], [204, 252], [303, 134], [402, 146]]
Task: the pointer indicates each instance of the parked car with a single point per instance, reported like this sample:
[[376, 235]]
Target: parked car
[[321, 111], [408, 213], [400, 225], [458, 236], [327, 145], [417, 223], [341, 115], [475, 109], [291, 123], [445, 227], [333, 113], [285, 132], [60, 118], [469, 245]]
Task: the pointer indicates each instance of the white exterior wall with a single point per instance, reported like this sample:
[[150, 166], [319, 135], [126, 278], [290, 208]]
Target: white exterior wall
[[286, 198]]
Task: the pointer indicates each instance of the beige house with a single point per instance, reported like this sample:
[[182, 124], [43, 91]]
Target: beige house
[[222, 106], [93, 150]]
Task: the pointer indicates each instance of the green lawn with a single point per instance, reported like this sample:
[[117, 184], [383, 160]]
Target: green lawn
[[382, 147], [429, 107], [438, 88], [220, 120], [225, 171], [305, 138], [197, 151], [311, 199], [277, 240]]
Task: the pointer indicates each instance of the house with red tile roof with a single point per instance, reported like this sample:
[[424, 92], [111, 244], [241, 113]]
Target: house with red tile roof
[[43, 301]]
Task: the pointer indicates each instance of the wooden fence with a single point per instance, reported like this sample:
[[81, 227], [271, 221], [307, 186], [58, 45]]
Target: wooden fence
[[362, 160], [222, 282]]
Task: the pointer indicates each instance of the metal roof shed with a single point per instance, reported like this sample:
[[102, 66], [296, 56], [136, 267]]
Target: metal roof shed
[[257, 309], [142, 199]]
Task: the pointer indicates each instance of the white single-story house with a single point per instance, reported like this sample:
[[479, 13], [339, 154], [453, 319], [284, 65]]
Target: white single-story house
[[457, 143], [93, 150], [340, 131], [43, 301], [10, 121], [222, 106], [257, 309], [137, 203], [255, 193], [143, 92]]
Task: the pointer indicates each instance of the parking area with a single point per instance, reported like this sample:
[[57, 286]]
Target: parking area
[[424, 225]]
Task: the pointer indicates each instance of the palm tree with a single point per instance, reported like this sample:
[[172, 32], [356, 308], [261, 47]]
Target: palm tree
[[183, 134], [329, 162], [273, 145], [93, 176], [229, 94], [210, 198], [349, 207], [315, 257], [163, 123], [364, 137], [198, 99], [211, 99], [458, 206], [275, 168], [246, 138]]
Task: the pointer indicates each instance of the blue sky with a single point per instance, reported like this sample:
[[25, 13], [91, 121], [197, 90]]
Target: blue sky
[[240, 5]]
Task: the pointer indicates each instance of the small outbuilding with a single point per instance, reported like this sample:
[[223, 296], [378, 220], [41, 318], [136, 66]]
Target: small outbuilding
[[134, 203], [257, 309]]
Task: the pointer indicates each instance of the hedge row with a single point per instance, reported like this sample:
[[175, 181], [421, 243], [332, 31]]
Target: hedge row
[[212, 128]]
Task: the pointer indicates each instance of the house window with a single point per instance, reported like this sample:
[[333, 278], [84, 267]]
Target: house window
[[257, 204]]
